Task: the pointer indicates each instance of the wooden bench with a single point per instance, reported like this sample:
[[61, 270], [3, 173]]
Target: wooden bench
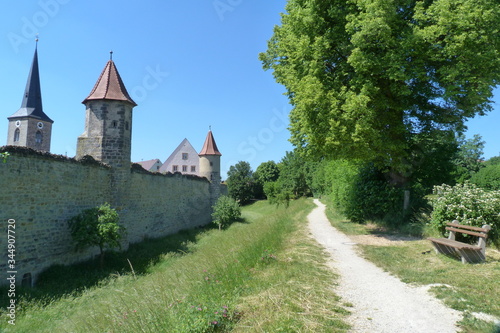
[[468, 252]]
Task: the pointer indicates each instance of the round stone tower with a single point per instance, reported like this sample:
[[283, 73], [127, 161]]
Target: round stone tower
[[210, 160], [108, 121]]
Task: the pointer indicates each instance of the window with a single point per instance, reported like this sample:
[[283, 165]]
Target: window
[[114, 124], [193, 168], [184, 168], [185, 156], [38, 137], [17, 133], [127, 125], [175, 168]]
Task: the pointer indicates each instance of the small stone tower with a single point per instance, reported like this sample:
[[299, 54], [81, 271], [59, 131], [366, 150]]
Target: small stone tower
[[210, 160], [108, 121], [30, 126]]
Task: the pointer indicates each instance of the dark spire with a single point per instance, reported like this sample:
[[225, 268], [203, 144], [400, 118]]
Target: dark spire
[[31, 105]]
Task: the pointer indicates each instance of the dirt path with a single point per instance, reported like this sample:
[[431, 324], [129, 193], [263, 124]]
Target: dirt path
[[381, 302]]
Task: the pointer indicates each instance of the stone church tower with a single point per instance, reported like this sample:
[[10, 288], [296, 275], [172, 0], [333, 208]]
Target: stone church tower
[[108, 121], [30, 126], [210, 160]]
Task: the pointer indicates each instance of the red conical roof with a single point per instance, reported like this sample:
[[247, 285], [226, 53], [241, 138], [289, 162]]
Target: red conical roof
[[110, 86], [210, 147]]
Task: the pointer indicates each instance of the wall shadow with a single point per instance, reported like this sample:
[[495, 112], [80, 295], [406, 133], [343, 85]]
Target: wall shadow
[[58, 281]]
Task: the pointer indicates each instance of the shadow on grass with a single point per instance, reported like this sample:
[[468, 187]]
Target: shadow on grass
[[61, 280]]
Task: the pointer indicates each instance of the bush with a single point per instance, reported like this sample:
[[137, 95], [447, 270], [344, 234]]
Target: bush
[[97, 227], [277, 194], [372, 198], [488, 177], [225, 211], [341, 176], [470, 205]]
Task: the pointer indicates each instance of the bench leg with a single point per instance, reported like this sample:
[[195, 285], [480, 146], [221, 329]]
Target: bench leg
[[444, 249], [471, 256]]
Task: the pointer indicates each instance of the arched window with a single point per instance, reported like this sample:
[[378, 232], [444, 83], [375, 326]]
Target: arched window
[[38, 137], [17, 134]]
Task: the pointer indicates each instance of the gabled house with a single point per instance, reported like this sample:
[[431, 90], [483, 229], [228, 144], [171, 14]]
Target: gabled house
[[151, 165], [184, 159]]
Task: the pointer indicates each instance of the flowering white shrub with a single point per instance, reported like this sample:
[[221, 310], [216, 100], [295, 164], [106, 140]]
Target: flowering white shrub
[[470, 205]]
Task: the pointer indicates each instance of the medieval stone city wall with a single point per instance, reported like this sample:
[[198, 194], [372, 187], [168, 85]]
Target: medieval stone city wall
[[41, 192]]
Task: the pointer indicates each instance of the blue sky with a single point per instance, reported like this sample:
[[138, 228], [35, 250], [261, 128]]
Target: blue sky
[[188, 65]]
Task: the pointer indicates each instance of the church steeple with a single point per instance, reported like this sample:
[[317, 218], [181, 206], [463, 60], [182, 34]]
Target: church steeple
[[30, 126]]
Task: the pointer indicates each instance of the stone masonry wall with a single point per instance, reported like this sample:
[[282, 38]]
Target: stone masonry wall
[[41, 192], [161, 205]]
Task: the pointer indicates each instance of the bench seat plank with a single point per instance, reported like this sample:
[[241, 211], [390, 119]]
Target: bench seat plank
[[469, 253], [454, 243]]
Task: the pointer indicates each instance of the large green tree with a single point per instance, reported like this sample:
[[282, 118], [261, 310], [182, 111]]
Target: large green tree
[[240, 184], [366, 76]]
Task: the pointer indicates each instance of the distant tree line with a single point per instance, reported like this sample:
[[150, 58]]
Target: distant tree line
[[360, 189]]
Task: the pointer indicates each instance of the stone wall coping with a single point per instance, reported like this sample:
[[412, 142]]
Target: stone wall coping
[[29, 152]]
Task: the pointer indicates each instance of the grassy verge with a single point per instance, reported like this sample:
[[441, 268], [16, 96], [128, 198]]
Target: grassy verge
[[469, 288], [263, 274]]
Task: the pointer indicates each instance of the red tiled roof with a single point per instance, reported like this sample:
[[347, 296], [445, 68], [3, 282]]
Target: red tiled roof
[[149, 164], [110, 86], [210, 147]]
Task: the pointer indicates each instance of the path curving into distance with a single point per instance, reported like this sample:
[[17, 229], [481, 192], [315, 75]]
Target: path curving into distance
[[381, 302]]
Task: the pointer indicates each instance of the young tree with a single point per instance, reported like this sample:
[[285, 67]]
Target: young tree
[[240, 182], [225, 211], [97, 227], [365, 76]]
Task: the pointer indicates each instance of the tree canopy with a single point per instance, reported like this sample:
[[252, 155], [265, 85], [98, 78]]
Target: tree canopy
[[365, 76], [240, 182]]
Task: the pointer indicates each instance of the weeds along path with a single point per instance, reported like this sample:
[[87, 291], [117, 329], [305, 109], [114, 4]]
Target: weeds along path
[[380, 302]]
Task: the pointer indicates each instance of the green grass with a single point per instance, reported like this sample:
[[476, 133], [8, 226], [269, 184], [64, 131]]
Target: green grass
[[261, 274], [470, 288]]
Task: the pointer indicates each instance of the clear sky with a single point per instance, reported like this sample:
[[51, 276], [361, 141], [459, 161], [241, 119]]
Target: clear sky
[[188, 65]]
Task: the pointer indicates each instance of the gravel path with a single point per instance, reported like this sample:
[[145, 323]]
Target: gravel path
[[381, 302]]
